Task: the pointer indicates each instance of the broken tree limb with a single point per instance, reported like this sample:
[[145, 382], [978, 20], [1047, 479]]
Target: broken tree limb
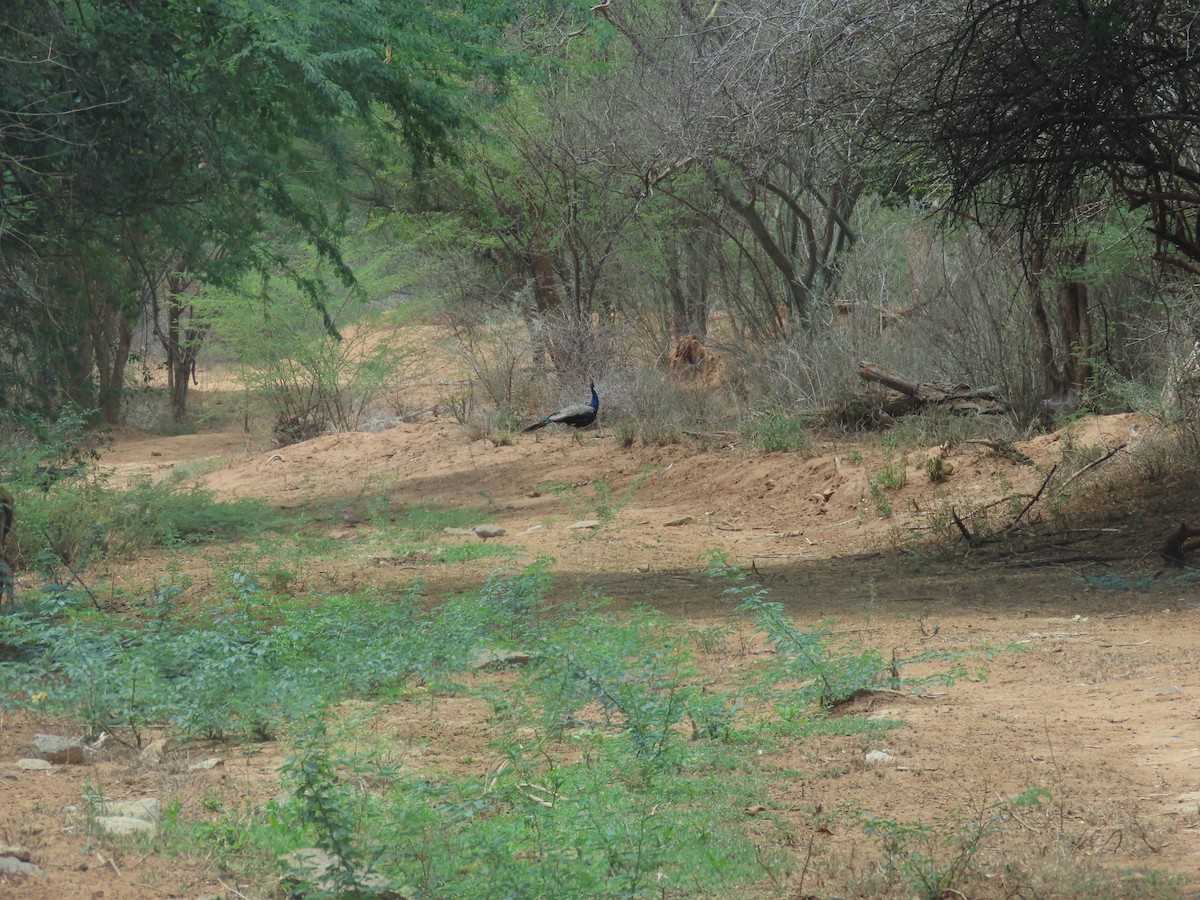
[[957, 397], [1006, 449], [1013, 524], [1095, 462], [1176, 546]]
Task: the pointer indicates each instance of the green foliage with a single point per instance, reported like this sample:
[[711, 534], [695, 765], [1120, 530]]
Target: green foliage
[[327, 805], [468, 552], [815, 672], [424, 522], [935, 468], [286, 350], [240, 668], [932, 861], [778, 432], [891, 477], [592, 828], [158, 144], [67, 516], [639, 679], [601, 505]]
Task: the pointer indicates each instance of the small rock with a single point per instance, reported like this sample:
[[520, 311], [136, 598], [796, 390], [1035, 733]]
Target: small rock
[[121, 826], [314, 866], [34, 764], [16, 851], [682, 520], [484, 532], [57, 749], [584, 523], [206, 764], [878, 758], [11, 866], [148, 808]]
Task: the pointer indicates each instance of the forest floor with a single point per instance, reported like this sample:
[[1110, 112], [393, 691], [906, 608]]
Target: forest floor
[[1092, 692]]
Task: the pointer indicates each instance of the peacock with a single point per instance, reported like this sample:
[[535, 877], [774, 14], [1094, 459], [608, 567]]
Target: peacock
[[578, 415]]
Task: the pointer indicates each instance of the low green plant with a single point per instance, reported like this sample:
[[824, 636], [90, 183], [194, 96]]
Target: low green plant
[[72, 523], [935, 468], [810, 670], [778, 432], [891, 477], [240, 668], [423, 522], [931, 861], [461, 553], [600, 504]]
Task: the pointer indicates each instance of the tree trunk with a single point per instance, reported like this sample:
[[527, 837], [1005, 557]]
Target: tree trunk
[[1034, 281], [1076, 326], [112, 338], [687, 286], [182, 343]]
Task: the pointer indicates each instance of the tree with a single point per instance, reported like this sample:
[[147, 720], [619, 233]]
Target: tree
[[1022, 102], [764, 100], [149, 141]]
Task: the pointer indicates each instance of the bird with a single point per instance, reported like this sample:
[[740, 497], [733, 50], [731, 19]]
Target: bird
[[579, 415], [483, 532]]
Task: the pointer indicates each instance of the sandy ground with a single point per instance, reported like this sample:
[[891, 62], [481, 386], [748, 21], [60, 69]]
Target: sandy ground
[[1100, 708]]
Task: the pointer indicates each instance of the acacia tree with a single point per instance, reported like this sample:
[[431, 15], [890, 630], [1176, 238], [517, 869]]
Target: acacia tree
[[146, 141], [1030, 113]]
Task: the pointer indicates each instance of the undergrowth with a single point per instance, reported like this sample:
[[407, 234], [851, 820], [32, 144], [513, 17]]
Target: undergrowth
[[611, 764]]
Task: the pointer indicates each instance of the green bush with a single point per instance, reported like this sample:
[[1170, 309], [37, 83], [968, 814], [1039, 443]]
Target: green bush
[[778, 432]]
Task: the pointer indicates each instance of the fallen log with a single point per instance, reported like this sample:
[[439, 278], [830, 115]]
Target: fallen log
[[911, 395]]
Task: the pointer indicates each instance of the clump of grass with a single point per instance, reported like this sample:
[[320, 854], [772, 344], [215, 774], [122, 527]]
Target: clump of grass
[[598, 502], [778, 432], [935, 468], [891, 477], [74, 522], [659, 411], [423, 522]]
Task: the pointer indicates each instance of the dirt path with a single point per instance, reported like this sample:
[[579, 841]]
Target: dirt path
[[1092, 694]]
